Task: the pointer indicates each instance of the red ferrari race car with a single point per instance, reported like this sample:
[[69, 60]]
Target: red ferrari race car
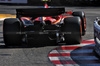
[[44, 25]]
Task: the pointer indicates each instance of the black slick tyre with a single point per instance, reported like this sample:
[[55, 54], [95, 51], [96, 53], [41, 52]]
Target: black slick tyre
[[72, 30], [83, 19], [12, 32]]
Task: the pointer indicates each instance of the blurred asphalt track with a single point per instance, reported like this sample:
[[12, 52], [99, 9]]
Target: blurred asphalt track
[[37, 56]]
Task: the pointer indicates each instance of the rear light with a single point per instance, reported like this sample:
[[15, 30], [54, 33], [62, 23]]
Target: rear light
[[69, 12]]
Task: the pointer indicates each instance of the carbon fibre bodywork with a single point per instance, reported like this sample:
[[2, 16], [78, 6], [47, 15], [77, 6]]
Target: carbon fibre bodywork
[[45, 20]]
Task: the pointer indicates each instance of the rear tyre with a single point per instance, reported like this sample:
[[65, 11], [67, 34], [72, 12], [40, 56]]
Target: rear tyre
[[82, 16], [12, 32], [72, 30]]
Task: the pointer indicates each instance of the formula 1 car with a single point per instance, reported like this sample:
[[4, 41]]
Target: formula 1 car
[[97, 35], [44, 25]]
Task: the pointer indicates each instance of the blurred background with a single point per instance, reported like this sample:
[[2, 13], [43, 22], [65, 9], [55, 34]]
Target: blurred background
[[53, 3]]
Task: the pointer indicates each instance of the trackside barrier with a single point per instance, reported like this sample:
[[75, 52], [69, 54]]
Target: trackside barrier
[[97, 36], [53, 2], [13, 1], [66, 2]]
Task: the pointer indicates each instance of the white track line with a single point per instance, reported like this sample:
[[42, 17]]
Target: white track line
[[60, 58]]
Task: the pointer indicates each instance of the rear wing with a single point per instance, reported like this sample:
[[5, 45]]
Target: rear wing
[[39, 12]]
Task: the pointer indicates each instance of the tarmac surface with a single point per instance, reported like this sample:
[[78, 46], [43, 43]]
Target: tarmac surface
[[38, 56]]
